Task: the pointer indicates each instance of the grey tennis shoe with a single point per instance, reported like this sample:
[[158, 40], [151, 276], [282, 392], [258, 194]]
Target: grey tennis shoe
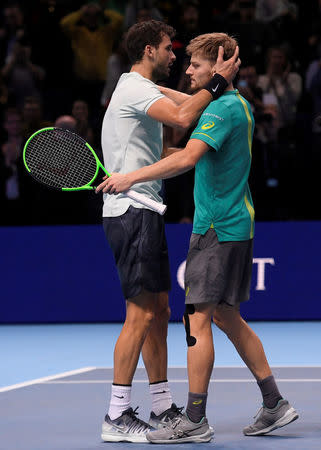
[[271, 419], [180, 430], [165, 417], [127, 428]]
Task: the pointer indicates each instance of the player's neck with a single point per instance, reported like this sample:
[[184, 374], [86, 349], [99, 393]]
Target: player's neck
[[144, 70], [230, 87]]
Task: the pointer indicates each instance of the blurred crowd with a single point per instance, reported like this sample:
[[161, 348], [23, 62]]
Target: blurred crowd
[[61, 59]]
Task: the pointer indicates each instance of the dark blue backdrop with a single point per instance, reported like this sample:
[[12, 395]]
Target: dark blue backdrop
[[67, 274]]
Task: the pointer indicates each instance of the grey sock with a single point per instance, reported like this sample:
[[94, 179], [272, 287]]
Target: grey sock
[[270, 391], [196, 406]]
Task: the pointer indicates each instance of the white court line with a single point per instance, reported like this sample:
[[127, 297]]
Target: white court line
[[213, 380], [44, 379], [88, 369]]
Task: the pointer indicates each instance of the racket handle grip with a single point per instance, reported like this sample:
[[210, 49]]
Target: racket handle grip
[[160, 208]]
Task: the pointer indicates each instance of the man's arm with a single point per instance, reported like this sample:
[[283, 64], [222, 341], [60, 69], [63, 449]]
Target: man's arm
[[167, 151], [175, 164], [176, 96], [184, 115]]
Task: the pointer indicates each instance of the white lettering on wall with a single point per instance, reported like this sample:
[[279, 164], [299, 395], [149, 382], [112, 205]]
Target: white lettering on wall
[[181, 275], [261, 263], [260, 282]]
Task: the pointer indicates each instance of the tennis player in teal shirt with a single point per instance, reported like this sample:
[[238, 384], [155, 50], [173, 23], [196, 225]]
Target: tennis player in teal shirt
[[222, 195], [219, 260]]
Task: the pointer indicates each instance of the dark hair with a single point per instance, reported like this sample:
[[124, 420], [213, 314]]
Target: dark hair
[[141, 34]]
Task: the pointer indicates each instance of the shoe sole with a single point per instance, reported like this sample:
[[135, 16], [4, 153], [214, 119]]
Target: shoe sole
[[290, 416], [117, 437], [205, 437]]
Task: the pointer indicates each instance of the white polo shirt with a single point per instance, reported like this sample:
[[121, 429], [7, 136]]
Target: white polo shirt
[[131, 139]]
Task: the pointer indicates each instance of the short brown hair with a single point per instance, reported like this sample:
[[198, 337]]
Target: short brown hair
[[150, 32], [206, 46]]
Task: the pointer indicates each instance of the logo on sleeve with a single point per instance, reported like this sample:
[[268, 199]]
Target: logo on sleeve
[[208, 125]]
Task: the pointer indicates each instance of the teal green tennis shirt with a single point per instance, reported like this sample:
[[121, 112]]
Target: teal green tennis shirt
[[222, 196]]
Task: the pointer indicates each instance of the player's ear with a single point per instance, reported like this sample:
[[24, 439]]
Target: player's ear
[[149, 50]]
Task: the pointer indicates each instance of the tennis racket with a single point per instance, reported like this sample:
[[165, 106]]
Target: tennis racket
[[63, 160]]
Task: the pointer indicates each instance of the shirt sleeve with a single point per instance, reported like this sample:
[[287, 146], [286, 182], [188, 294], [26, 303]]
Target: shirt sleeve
[[214, 126], [144, 94]]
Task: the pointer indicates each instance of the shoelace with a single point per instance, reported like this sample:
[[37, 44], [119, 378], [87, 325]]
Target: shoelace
[[174, 422], [138, 425], [260, 409], [175, 412]]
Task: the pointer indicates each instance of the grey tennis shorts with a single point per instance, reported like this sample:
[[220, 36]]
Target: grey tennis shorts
[[137, 240], [218, 272]]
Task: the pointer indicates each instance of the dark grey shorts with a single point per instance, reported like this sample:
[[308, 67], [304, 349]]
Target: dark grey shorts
[[218, 272], [138, 242]]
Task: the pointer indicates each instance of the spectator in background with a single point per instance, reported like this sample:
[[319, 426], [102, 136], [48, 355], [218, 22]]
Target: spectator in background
[[247, 85], [117, 64], [3, 93], [311, 48], [51, 49], [271, 10], [23, 77], [80, 113], [92, 33], [281, 87], [13, 29], [66, 122], [32, 114], [281, 18], [313, 86], [11, 169], [265, 171], [140, 11], [241, 22]]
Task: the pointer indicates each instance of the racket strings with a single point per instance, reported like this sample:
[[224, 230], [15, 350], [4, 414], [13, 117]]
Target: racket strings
[[60, 159]]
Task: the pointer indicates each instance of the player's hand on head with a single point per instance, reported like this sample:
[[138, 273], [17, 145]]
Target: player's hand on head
[[229, 68]]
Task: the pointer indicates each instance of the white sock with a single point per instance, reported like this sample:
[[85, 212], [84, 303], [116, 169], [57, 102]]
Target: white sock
[[161, 397], [119, 400]]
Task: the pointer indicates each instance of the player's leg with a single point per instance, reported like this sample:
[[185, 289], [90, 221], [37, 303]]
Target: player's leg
[[200, 357], [154, 354], [125, 235], [121, 423], [246, 342], [139, 319], [193, 426], [276, 412], [154, 351]]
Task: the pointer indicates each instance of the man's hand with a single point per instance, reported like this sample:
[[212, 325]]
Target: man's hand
[[115, 184], [228, 69]]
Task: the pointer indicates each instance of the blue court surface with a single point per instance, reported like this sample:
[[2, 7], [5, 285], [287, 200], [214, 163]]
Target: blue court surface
[[55, 383]]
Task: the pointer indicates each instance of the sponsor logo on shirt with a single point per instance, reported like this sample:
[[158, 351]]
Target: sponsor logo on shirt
[[208, 125], [213, 115]]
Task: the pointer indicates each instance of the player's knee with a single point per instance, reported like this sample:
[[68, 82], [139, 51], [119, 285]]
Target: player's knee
[[165, 314], [143, 319], [162, 309], [224, 318], [147, 318], [219, 321]]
